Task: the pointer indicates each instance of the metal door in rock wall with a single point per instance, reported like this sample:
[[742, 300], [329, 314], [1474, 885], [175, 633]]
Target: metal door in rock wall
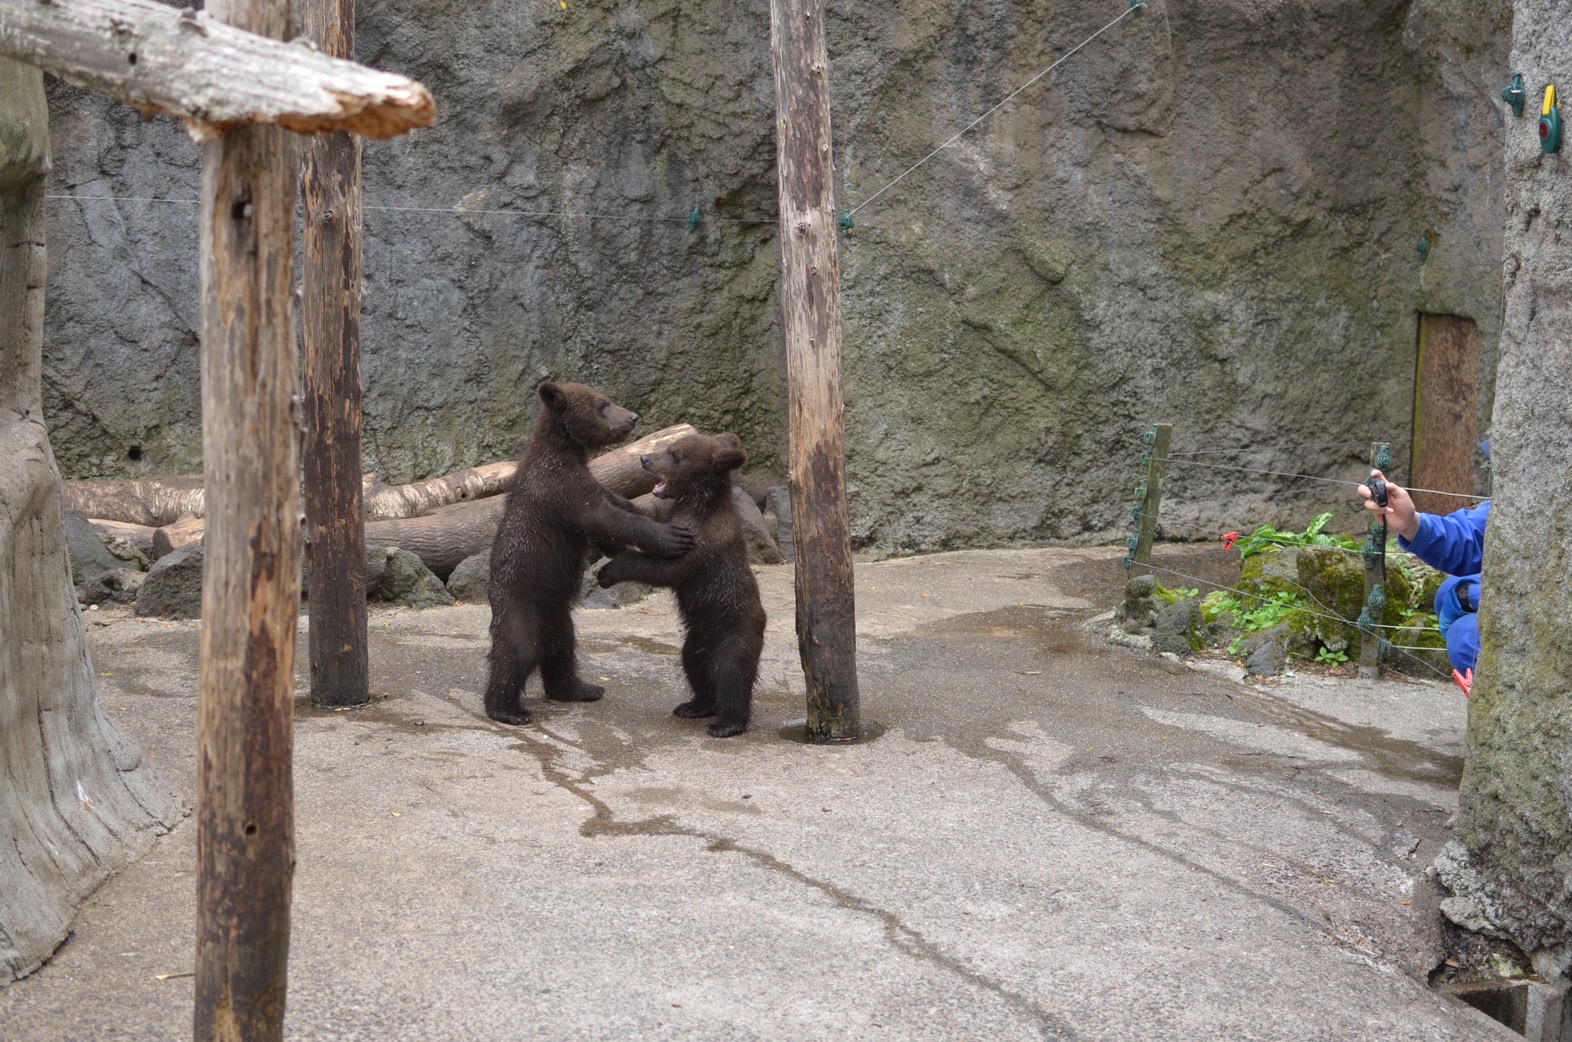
[[1446, 411]]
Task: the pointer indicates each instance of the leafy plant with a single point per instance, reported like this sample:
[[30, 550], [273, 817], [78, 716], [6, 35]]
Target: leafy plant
[[1266, 536], [1268, 612], [1327, 657]]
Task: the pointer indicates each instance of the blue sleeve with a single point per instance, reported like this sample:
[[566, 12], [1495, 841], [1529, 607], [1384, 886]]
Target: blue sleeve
[[1454, 543]]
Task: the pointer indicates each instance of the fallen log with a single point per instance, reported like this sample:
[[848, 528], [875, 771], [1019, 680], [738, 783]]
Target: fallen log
[[450, 533], [156, 502], [619, 470], [442, 536], [152, 502]]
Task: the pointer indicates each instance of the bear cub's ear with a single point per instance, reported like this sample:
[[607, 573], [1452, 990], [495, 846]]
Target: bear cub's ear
[[549, 392], [731, 455]]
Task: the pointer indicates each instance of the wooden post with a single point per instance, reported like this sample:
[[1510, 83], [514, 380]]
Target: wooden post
[[330, 308], [1150, 496], [1375, 549], [251, 582], [811, 309]]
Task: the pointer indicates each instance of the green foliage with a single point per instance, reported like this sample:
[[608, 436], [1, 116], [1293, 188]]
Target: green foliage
[[1328, 657], [1266, 536], [1253, 614]]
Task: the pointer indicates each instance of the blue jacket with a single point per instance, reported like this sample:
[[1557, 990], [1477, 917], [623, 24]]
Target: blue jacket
[[1453, 543]]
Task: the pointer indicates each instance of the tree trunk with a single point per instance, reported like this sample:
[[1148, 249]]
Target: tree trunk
[[212, 76], [251, 582], [811, 309], [78, 800], [330, 302], [1515, 805]]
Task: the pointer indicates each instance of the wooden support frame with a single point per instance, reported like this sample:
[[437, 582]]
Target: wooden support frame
[[209, 74], [330, 328], [810, 306]]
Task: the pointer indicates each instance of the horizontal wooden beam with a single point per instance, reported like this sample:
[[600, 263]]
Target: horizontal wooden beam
[[208, 74]]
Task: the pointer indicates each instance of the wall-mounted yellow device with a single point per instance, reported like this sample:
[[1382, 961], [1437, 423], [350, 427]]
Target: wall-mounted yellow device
[[1550, 122]]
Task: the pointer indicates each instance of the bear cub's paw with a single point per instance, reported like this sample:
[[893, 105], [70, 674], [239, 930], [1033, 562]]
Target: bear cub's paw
[[510, 716], [693, 711], [579, 692], [722, 729]]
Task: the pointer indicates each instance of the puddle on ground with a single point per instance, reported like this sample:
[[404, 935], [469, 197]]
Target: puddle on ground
[[797, 731], [1049, 630]]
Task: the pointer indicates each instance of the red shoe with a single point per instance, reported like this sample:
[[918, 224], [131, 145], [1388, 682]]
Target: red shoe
[[1465, 680]]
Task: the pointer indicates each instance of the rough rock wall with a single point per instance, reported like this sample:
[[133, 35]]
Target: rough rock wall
[[1207, 216], [1516, 803]]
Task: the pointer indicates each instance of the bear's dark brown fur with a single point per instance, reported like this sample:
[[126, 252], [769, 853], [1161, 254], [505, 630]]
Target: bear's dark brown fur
[[555, 509], [717, 595]]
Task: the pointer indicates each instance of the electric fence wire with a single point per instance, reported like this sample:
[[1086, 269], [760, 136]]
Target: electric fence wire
[[1178, 459], [1326, 612], [1408, 651], [1134, 8], [689, 219]]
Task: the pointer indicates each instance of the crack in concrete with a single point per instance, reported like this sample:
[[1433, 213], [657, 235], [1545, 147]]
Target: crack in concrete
[[902, 937]]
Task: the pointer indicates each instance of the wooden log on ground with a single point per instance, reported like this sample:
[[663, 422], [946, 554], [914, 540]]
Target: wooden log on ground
[[448, 534], [152, 502], [157, 502], [172, 537], [208, 74], [619, 470], [384, 502]]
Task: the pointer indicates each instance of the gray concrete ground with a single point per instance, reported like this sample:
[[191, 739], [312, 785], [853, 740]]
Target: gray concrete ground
[[1054, 837]]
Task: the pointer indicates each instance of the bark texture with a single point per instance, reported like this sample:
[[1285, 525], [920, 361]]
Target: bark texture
[[330, 324], [211, 75], [251, 581], [1515, 809], [811, 315], [77, 800]]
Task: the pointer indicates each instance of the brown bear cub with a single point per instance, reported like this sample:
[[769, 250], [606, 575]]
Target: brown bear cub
[[717, 594], [554, 511]]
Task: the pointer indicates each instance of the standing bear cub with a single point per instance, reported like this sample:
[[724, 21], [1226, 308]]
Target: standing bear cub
[[554, 511], [717, 594]]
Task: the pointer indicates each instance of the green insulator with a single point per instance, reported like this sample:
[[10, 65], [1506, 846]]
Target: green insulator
[[695, 218], [1376, 602], [1150, 437], [1140, 492], [845, 222], [1383, 460], [1135, 513], [1370, 553], [1514, 94], [1366, 624]]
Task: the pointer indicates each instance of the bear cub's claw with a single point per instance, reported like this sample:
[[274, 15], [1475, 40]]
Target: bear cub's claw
[[510, 716], [693, 711], [721, 729]]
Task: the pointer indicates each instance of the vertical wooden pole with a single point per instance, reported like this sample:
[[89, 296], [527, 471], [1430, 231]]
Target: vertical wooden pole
[[1370, 637], [1151, 498], [330, 310], [251, 581], [811, 308]]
